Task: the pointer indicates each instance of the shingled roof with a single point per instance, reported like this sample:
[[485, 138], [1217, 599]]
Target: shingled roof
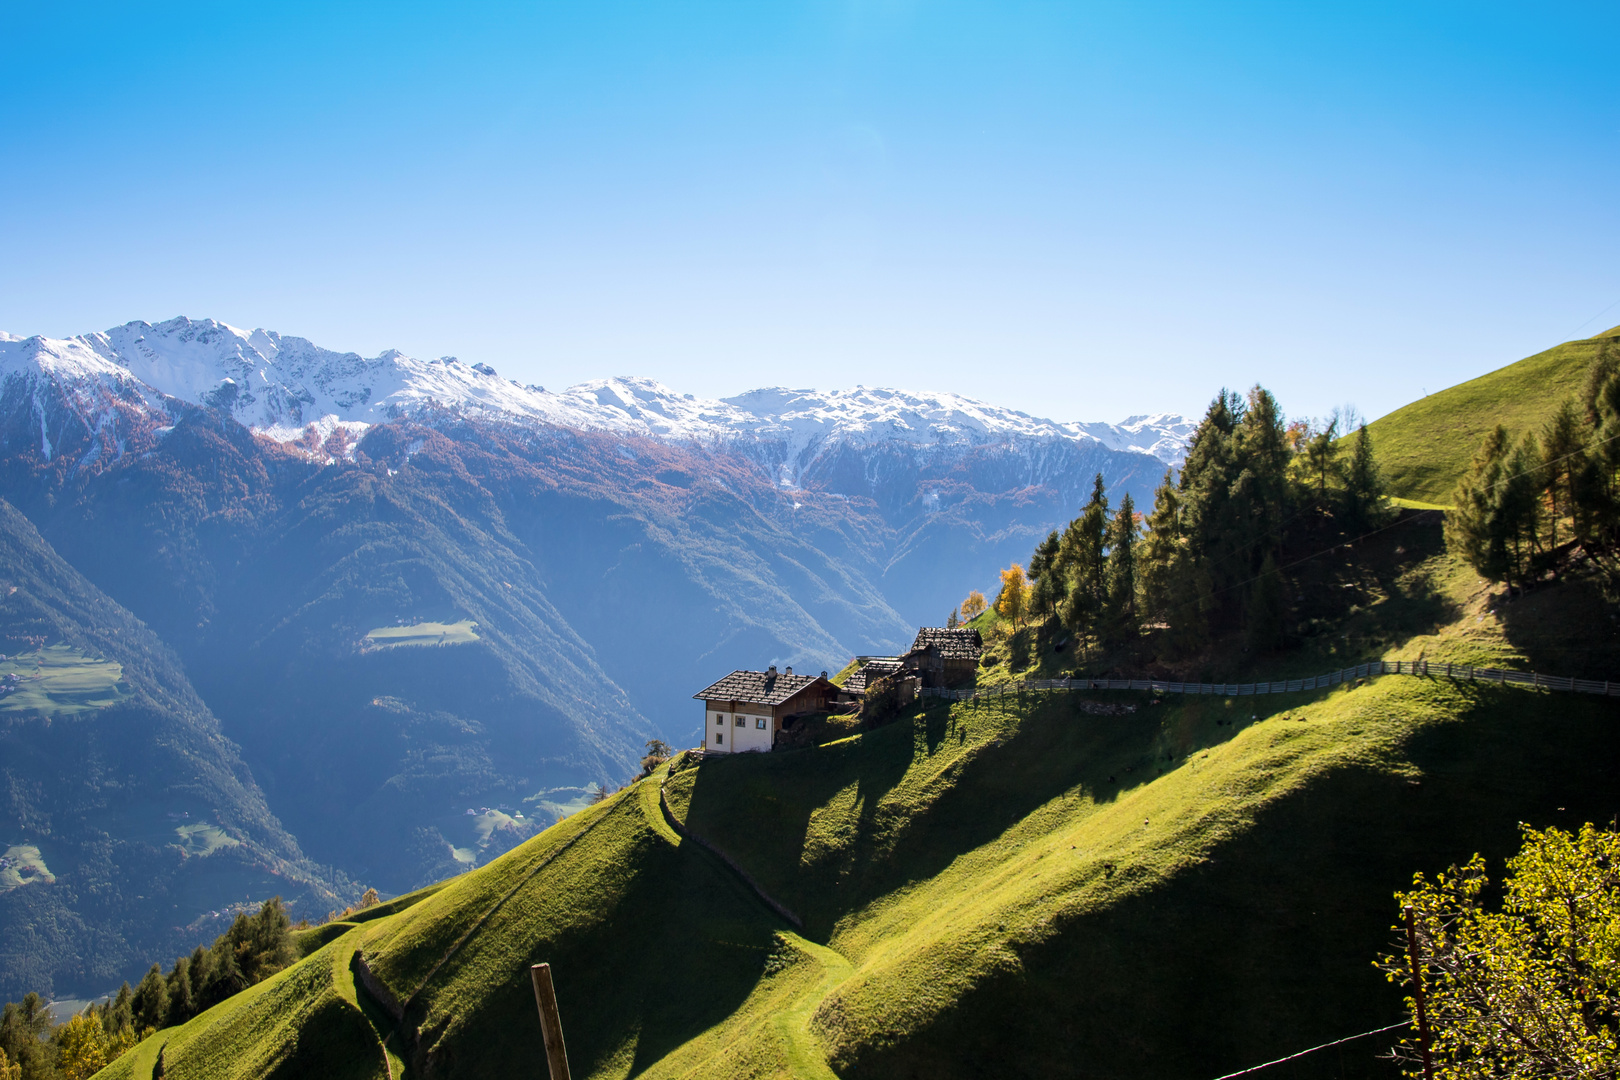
[[757, 687], [960, 643], [872, 669]]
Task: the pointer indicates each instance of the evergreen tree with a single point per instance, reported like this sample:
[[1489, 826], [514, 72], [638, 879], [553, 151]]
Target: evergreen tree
[[1081, 563], [1321, 452], [1264, 630], [1563, 454], [152, 1000], [1121, 611], [1044, 576], [1364, 496]]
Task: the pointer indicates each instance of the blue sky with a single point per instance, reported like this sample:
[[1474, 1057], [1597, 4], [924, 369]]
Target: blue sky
[[1082, 210]]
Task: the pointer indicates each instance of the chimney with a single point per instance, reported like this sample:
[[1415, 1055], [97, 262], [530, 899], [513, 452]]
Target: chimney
[[790, 671], [770, 672], [823, 674]]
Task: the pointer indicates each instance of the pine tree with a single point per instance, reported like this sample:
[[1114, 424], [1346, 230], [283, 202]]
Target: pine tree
[[152, 1000], [1082, 566], [1044, 576], [1121, 610], [1364, 495], [1563, 453], [1264, 632]]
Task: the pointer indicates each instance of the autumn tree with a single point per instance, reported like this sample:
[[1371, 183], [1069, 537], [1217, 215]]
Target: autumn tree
[[1527, 989], [9, 1070], [974, 605], [1014, 592]]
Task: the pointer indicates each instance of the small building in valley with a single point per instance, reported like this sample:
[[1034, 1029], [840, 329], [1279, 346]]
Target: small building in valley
[[744, 711]]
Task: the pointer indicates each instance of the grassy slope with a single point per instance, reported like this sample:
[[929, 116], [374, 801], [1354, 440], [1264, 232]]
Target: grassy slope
[[1006, 887], [1425, 447]]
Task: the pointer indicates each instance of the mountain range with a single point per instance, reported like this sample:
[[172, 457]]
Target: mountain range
[[429, 607]]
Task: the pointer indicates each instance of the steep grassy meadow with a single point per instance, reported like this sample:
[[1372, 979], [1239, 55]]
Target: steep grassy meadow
[[1017, 887], [1424, 448], [128, 825]]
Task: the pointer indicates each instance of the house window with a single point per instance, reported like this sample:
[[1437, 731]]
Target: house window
[[742, 721], [719, 719], [759, 722], [719, 738]]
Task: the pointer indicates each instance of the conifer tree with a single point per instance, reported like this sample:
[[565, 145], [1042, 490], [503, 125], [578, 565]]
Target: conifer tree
[[152, 1000], [1121, 609], [1364, 495], [1082, 566], [1264, 630], [1563, 453], [1044, 576]]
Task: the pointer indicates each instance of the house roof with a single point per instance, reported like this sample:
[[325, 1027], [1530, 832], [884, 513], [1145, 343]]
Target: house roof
[[758, 687], [872, 669], [960, 643]]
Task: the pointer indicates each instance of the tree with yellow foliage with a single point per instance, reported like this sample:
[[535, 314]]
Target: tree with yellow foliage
[[1014, 596], [86, 1047], [974, 605], [9, 1070], [1532, 989]]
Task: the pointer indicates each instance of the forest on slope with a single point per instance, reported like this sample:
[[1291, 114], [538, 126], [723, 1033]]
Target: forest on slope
[[134, 820]]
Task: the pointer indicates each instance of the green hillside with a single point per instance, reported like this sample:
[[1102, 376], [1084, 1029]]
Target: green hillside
[[1424, 448], [1013, 887]]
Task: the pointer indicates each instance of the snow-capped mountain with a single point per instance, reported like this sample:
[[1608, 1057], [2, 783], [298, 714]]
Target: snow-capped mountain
[[280, 385]]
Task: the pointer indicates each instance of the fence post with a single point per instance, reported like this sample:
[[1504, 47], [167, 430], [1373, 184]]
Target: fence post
[[545, 999]]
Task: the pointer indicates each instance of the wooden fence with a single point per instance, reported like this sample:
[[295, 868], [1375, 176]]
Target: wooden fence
[[1318, 682]]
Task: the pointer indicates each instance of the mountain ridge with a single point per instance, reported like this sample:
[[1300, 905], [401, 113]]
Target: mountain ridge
[[280, 384]]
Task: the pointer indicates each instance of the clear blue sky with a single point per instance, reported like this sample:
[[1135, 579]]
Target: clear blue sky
[[1083, 210]]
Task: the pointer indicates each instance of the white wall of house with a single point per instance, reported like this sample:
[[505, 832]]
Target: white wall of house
[[750, 728]]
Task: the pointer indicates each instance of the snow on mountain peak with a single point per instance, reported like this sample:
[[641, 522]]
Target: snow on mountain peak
[[280, 385]]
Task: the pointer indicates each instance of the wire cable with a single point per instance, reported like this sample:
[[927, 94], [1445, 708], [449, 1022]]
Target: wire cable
[[1312, 1050]]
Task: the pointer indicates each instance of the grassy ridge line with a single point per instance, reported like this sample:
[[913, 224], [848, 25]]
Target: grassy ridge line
[[923, 950], [1425, 447], [304, 1021]]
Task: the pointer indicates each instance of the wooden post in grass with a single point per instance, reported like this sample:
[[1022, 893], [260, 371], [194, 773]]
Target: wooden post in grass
[[545, 998], [1417, 992]]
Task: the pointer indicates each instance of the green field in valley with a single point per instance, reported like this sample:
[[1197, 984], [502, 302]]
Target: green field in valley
[[59, 680], [422, 633], [22, 864]]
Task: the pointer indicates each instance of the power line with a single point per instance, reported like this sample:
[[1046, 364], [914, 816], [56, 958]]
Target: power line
[[1594, 318], [1312, 1050]]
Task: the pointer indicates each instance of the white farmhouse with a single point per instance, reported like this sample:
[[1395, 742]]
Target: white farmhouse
[[744, 711]]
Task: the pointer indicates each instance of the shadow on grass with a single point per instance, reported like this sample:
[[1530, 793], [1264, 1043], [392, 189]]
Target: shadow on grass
[[1267, 948], [830, 829]]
